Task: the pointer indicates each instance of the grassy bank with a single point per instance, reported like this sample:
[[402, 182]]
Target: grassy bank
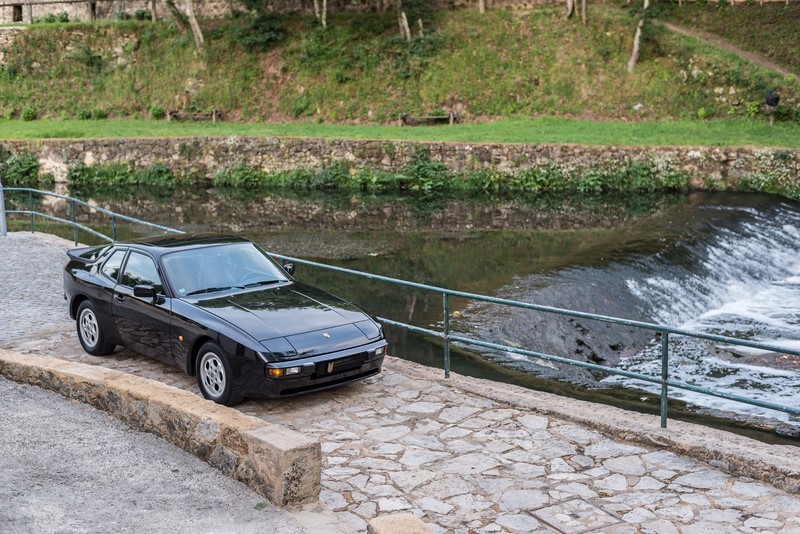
[[771, 30], [498, 65], [742, 132]]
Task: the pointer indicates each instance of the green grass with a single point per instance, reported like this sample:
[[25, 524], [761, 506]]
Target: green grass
[[488, 67], [740, 132], [772, 30]]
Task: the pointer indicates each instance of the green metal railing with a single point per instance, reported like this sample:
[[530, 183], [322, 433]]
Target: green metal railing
[[664, 381], [115, 218], [448, 337]]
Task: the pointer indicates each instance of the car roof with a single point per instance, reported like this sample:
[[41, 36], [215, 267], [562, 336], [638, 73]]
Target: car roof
[[171, 242]]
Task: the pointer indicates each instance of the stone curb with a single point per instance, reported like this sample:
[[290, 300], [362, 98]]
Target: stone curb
[[778, 465], [282, 465]]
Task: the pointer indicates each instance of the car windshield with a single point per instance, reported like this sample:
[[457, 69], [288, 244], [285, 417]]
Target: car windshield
[[219, 268]]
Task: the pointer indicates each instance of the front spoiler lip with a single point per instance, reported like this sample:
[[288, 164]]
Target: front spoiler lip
[[266, 387], [314, 360]]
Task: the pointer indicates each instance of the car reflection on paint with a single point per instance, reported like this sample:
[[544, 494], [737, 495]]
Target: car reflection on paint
[[220, 309]]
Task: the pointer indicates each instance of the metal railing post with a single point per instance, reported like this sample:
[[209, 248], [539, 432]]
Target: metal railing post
[[3, 227], [30, 206], [664, 376], [446, 306], [114, 228], [74, 228]]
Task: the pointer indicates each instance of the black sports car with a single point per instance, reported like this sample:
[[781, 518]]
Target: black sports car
[[221, 309]]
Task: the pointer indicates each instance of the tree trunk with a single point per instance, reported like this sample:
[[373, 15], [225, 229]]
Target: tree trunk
[[180, 19], [482, 6], [316, 10], [324, 14], [406, 29], [153, 14], [197, 33], [421, 27], [570, 9], [637, 38], [583, 12]]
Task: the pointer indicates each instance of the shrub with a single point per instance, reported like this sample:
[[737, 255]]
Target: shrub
[[142, 14], [99, 114], [240, 176], [84, 114], [84, 55], [260, 32], [19, 170], [28, 114], [157, 112]]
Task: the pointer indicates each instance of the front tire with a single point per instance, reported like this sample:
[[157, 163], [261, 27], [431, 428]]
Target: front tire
[[90, 334], [214, 376]]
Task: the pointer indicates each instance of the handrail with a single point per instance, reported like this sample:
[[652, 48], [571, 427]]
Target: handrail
[[115, 217], [666, 331]]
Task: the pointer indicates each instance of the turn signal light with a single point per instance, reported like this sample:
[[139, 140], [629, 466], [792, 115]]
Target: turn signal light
[[289, 371]]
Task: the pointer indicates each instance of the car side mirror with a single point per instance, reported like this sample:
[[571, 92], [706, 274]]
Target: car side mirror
[[289, 268], [144, 292]]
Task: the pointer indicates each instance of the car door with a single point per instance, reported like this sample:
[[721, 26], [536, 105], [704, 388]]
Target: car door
[[144, 323]]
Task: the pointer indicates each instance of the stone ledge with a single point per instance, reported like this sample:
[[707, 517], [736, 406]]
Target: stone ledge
[[778, 465], [282, 465]]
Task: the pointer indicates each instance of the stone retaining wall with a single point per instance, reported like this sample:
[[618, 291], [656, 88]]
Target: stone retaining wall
[[282, 465], [709, 167]]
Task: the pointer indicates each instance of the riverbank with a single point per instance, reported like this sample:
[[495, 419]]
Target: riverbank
[[466, 453], [372, 165]]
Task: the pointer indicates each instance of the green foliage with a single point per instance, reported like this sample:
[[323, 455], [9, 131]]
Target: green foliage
[[28, 114], [424, 176], [142, 14], [101, 177], [84, 55], [258, 32], [52, 18], [21, 170], [240, 176], [359, 70], [157, 112]]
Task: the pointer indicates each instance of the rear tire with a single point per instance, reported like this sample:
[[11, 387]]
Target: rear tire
[[90, 334], [214, 376]]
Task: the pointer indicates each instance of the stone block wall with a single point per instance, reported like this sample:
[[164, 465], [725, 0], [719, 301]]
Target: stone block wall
[[709, 167]]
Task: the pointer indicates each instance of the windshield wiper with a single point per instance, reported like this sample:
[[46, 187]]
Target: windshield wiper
[[263, 283], [212, 290]]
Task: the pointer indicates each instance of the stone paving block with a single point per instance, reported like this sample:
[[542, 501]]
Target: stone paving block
[[574, 516]]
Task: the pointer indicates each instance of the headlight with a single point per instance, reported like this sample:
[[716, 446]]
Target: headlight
[[380, 351]]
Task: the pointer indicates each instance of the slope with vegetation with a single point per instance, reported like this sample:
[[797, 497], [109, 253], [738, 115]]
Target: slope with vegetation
[[268, 68]]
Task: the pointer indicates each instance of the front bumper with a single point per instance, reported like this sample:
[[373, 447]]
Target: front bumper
[[317, 372]]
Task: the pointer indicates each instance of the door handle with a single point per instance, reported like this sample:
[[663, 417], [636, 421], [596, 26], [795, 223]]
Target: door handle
[[119, 298]]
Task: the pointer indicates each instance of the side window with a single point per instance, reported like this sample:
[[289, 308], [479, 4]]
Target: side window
[[113, 264], [140, 270]]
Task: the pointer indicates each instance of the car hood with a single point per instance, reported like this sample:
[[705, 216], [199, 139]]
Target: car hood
[[287, 310]]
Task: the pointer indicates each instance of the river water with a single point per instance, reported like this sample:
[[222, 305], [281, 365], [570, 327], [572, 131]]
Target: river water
[[719, 263]]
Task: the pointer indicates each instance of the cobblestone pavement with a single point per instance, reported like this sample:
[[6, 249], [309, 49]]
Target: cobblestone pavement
[[461, 461]]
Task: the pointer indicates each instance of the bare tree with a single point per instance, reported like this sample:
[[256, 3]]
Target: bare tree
[[197, 33], [482, 6], [402, 20], [637, 38], [321, 12], [570, 9], [583, 12]]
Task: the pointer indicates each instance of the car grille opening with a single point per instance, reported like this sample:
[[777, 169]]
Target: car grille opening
[[332, 383]]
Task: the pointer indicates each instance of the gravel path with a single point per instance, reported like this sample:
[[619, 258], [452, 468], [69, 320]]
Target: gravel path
[[66, 467]]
